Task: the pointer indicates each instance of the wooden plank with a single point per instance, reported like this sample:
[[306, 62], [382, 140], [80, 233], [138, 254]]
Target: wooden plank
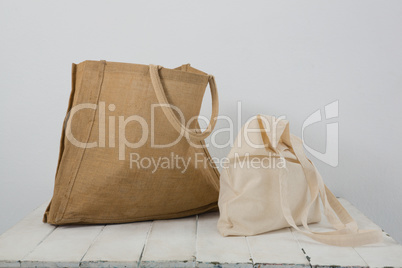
[[64, 247], [326, 255], [321, 255], [385, 254], [118, 245], [214, 250], [171, 243], [23, 237], [276, 248]]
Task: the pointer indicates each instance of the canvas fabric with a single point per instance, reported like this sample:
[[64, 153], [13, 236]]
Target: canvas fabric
[[284, 191]]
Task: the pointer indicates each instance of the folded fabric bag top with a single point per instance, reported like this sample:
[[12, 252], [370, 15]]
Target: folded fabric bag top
[[131, 147], [270, 184]]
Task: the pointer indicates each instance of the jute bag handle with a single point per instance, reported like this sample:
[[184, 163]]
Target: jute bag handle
[[167, 110], [348, 233]]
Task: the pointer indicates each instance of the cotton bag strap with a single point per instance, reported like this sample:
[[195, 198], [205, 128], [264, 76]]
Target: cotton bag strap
[[347, 233], [167, 110], [339, 220]]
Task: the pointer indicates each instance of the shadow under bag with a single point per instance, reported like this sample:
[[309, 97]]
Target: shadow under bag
[[270, 184], [120, 114]]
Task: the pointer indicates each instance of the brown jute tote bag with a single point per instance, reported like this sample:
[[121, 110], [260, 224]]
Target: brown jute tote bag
[[131, 147]]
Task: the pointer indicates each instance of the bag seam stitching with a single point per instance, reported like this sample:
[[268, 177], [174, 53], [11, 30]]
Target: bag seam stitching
[[89, 135]]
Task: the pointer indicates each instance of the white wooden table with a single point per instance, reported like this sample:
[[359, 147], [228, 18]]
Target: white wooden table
[[188, 242]]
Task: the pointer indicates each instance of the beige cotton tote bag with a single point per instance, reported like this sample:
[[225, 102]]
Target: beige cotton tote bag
[[131, 148], [270, 184]]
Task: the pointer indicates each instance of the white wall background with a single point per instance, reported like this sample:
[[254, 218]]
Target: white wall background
[[277, 57]]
